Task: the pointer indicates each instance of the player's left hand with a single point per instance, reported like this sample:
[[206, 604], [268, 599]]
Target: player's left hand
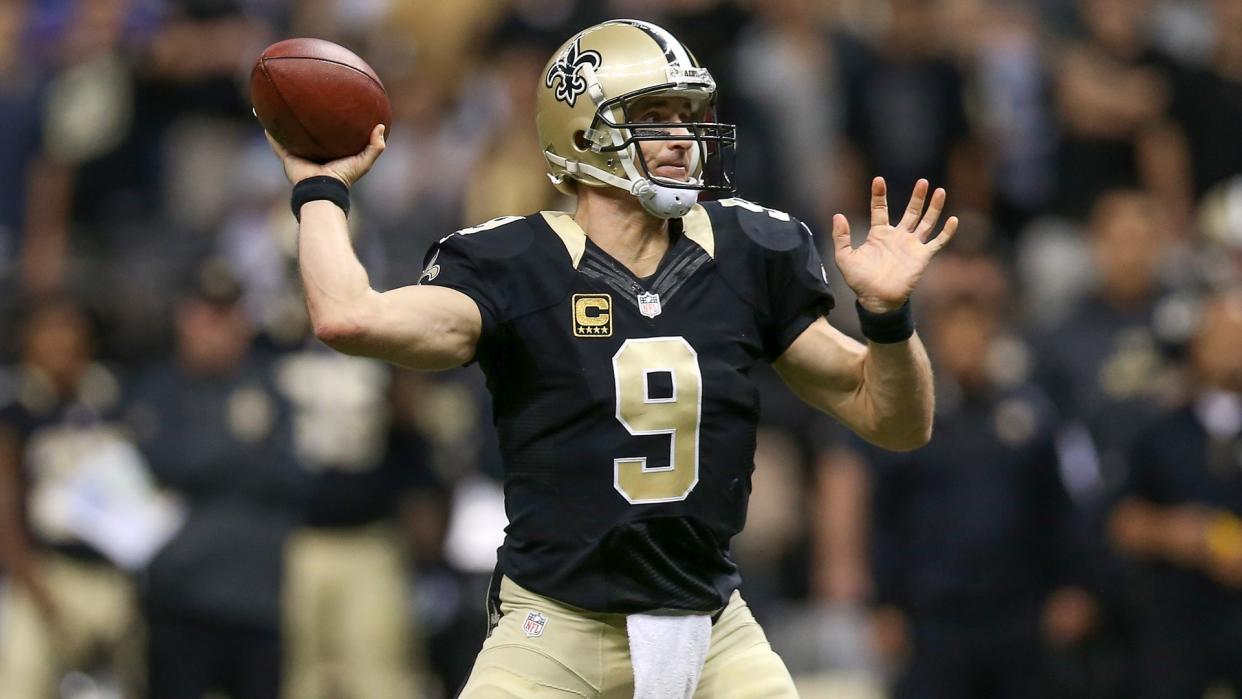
[[884, 270]]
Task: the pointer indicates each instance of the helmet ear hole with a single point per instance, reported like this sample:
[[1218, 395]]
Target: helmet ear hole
[[580, 141]]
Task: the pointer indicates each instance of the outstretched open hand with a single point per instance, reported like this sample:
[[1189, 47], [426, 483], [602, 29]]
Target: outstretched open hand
[[884, 270]]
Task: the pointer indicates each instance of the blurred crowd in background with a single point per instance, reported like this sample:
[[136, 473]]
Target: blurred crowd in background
[[195, 494]]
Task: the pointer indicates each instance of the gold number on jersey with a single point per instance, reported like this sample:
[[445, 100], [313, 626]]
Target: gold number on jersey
[[677, 416]]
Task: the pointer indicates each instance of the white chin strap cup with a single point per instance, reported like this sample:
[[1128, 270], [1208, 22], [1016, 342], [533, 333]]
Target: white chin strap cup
[[664, 202], [658, 200]]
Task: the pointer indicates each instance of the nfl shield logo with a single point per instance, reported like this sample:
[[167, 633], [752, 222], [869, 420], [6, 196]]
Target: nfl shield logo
[[649, 304], [533, 626]]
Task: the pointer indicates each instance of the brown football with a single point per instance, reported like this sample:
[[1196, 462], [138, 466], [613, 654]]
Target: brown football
[[318, 99]]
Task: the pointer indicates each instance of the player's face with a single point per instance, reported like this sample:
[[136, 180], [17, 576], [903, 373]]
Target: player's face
[[671, 158]]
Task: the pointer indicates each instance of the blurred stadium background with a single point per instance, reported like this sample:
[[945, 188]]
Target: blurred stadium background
[[185, 468]]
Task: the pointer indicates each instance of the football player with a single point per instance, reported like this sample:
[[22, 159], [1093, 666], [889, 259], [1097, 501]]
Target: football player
[[618, 344]]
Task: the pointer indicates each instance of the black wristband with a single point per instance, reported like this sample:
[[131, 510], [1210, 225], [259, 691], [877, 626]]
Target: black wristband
[[886, 328], [316, 188]]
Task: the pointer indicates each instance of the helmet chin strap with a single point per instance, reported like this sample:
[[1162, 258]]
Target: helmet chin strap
[[661, 201], [664, 202], [657, 200]]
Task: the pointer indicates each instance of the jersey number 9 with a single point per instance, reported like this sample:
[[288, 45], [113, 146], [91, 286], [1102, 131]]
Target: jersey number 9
[[677, 415]]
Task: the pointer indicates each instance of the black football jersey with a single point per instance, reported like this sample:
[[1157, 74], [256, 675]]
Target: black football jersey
[[624, 406]]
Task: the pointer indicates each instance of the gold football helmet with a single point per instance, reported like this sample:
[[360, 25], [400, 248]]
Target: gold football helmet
[[586, 94]]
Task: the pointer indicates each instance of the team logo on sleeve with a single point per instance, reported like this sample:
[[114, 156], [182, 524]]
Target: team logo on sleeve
[[592, 315], [432, 271], [567, 71], [533, 626]]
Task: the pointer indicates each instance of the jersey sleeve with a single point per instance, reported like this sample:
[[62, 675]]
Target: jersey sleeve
[[505, 267], [460, 262], [799, 292], [451, 263]]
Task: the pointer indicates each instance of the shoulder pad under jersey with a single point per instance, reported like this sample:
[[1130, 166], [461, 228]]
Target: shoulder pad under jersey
[[513, 262], [760, 251]]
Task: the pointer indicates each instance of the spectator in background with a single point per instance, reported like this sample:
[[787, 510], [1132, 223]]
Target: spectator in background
[[216, 430], [710, 26], [142, 110], [906, 114], [191, 113], [19, 141], [511, 180], [434, 147], [33, 187], [972, 534], [442, 434], [441, 613], [1011, 85], [68, 608], [1207, 103], [790, 66], [1113, 98], [825, 640], [1220, 227], [1108, 370], [447, 34], [345, 575], [1102, 365], [1181, 514]]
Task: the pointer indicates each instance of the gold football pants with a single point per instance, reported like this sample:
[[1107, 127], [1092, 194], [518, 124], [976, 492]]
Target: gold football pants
[[346, 630], [542, 648]]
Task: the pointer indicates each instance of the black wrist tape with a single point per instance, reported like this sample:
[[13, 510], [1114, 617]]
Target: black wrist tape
[[886, 328], [316, 188]]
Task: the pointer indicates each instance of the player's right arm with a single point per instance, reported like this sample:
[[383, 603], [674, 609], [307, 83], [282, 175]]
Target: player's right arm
[[421, 327]]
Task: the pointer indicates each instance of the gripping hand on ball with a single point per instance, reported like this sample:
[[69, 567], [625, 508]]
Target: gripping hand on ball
[[348, 170], [884, 270]]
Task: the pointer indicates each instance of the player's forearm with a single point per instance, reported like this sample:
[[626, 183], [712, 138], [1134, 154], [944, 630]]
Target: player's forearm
[[426, 328], [337, 287], [896, 394], [883, 392]]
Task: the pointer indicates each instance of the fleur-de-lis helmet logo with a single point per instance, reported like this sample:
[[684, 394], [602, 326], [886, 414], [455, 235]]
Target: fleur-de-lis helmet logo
[[565, 73]]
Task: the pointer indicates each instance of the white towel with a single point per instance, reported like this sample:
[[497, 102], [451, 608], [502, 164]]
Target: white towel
[[667, 650]]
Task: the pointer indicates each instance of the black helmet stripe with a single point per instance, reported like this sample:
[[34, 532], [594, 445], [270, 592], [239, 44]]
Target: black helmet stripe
[[670, 46]]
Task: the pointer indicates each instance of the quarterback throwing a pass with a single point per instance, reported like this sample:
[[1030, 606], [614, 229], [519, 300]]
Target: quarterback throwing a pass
[[618, 344]]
